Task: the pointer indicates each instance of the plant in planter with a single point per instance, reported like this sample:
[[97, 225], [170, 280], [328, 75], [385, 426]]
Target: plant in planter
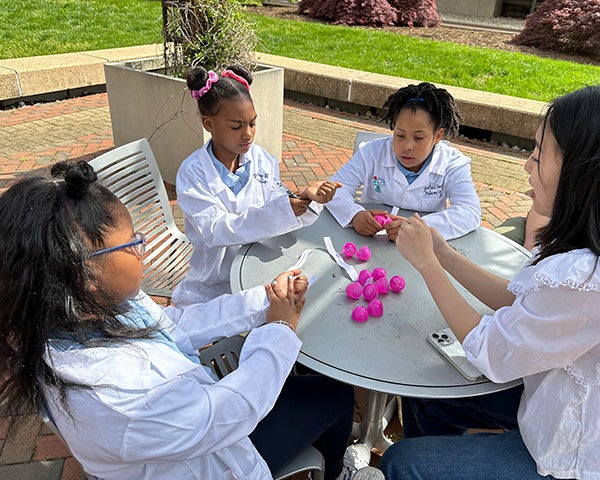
[[148, 98], [211, 33]]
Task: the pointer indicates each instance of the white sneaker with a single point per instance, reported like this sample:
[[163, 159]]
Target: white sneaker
[[357, 456], [356, 464], [365, 473]]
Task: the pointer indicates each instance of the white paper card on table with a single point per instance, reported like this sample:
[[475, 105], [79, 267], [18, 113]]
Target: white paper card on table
[[350, 270]]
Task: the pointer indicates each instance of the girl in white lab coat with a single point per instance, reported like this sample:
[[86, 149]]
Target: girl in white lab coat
[[229, 190], [121, 376], [413, 169], [545, 329]]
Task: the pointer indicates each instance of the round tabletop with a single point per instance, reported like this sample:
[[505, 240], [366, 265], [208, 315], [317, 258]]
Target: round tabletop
[[388, 354]]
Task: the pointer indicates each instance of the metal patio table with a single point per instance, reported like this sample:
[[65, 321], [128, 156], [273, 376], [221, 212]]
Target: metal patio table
[[386, 355]]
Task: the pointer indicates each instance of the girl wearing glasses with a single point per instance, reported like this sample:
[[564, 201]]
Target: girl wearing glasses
[[121, 376]]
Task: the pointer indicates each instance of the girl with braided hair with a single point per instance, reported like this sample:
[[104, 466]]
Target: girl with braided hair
[[229, 190], [413, 169]]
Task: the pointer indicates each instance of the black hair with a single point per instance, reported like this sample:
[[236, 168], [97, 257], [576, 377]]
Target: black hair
[[49, 225], [427, 97], [225, 88], [574, 120]]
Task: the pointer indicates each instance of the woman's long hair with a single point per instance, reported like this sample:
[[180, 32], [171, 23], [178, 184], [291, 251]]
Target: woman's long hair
[[49, 225], [574, 120]]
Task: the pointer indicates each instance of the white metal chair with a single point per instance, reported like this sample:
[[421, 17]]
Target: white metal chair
[[363, 137], [132, 174], [223, 357], [46, 417]]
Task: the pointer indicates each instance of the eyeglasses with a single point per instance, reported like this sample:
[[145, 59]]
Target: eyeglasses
[[138, 243]]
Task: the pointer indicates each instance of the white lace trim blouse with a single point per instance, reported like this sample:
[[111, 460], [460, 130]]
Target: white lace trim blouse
[[550, 337]]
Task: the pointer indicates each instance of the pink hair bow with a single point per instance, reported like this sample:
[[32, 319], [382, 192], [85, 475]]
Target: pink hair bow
[[235, 76], [212, 79]]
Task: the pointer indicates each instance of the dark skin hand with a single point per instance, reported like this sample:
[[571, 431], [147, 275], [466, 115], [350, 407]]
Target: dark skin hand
[[299, 205], [321, 192], [364, 223], [286, 297]]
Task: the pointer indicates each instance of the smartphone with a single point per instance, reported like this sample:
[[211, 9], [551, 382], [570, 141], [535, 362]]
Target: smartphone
[[450, 348]]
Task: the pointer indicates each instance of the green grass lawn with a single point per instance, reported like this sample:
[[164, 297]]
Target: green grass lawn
[[372, 50], [43, 27]]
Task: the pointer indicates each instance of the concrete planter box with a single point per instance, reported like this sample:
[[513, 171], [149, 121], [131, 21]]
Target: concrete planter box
[[147, 104]]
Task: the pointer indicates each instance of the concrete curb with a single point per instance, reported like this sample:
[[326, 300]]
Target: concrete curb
[[505, 117], [31, 76]]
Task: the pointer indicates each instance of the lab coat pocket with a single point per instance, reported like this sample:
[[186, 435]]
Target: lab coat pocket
[[256, 473]]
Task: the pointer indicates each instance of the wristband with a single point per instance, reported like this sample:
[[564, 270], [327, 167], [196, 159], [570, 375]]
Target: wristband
[[283, 322]]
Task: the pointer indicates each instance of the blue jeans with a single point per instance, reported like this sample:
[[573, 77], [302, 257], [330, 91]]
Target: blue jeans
[[435, 445], [311, 410]]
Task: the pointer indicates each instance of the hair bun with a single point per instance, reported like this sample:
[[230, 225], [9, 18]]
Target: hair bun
[[78, 176], [196, 77]]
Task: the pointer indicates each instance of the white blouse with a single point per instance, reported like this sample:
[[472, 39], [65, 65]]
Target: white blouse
[[550, 336]]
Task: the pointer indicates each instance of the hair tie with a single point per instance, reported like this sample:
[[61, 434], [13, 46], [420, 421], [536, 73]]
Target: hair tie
[[235, 76], [415, 99], [212, 79]]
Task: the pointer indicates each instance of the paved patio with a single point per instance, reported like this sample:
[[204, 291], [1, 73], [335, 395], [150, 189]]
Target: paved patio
[[316, 142]]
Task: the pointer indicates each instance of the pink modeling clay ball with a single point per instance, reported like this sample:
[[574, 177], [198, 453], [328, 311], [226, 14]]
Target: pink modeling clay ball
[[370, 292], [349, 249], [383, 285], [360, 314], [364, 276], [354, 290], [363, 253], [383, 220], [378, 273], [375, 308], [397, 283]]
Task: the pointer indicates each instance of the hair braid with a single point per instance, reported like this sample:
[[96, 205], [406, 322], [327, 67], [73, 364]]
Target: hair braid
[[427, 97]]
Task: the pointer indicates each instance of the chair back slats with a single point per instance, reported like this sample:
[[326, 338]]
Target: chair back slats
[[132, 174], [223, 357]]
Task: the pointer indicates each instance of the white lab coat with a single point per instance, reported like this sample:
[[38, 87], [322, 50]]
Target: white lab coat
[[447, 178], [218, 222], [167, 418]]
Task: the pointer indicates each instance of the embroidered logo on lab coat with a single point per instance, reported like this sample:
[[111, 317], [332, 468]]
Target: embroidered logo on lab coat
[[433, 190], [377, 183], [261, 177]]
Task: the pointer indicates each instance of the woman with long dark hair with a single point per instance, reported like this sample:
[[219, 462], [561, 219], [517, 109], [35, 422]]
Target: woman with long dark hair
[[545, 329]]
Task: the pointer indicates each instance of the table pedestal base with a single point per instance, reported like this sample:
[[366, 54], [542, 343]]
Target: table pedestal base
[[377, 416]]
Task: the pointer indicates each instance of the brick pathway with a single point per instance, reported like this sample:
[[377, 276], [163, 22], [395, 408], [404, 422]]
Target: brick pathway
[[316, 142]]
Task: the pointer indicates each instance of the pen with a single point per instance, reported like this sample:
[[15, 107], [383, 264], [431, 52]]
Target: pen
[[293, 195]]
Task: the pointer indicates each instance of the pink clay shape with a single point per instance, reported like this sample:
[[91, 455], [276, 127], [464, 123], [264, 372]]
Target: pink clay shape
[[364, 276], [363, 253], [354, 290], [370, 292], [349, 249], [375, 308], [360, 314], [383, 220], [383, 285], [378, 273], [397, 283]]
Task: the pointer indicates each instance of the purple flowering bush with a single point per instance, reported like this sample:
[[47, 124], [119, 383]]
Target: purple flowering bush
[[373, 13], [564, 26]]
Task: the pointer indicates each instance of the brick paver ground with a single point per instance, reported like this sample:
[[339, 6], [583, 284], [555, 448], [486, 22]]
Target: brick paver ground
[[316, 142]]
